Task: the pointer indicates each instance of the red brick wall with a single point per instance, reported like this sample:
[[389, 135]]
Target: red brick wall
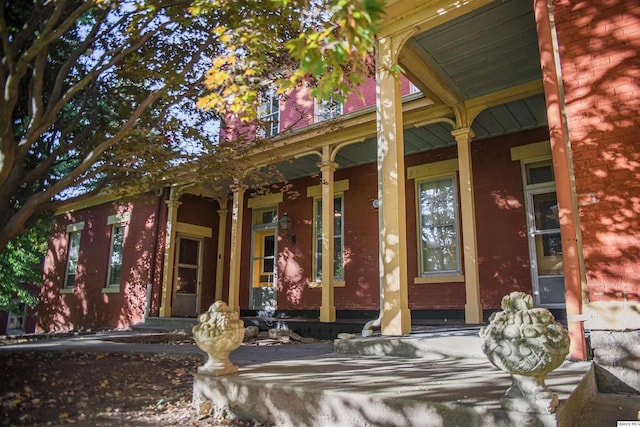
[[599, 45], [502, 247], [88, 306]]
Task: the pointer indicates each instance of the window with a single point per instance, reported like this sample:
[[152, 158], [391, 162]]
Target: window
[[115, 257], [438, 212], [327, 109], [338, 241], [269, 113], [72, 259]]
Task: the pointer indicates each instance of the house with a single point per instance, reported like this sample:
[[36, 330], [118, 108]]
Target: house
[[504, 159]]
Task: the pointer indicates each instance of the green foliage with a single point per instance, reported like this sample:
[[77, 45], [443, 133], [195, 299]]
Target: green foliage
[[21, 265], [325, 44], [96, 94]]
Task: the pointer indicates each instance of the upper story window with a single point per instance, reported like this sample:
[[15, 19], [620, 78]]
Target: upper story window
[[438, 219], [269, 113], [327, 109], [338, 240]]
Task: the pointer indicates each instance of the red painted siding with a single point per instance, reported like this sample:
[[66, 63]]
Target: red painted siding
[[599, 48]]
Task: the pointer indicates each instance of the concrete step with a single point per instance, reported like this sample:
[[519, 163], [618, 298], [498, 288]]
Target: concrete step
[[166, 324]]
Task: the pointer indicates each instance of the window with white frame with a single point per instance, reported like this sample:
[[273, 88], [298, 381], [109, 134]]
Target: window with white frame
[[115, 256], [327, 109], [269, 113], [438, 226], [72, 258], [338, 240]]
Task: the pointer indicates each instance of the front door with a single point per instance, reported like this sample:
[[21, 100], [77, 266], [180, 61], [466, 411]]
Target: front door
[[545, 243], [187, 280], [263, 267]]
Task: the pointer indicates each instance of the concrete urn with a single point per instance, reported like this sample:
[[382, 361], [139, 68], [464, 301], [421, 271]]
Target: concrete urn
[[219, 331], [528, 343]]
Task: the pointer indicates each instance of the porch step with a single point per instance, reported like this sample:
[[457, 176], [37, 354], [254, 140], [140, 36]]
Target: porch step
[[166, 324]]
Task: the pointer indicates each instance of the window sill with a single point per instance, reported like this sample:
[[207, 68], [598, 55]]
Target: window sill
[[458, 278], [336, 284], [113, 290], [67, 290]]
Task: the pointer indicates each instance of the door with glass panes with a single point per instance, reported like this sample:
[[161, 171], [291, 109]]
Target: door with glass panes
[[545, 243], [263, 266], [188, 277]]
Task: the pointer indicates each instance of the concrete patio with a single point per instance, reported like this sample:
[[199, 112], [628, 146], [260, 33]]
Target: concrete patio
[[437, 377]]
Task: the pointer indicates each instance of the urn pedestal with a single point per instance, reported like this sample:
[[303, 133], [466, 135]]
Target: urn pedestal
[[528, 343], [219, 331]]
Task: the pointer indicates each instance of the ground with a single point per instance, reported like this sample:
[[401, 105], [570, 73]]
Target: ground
[[52, 388]]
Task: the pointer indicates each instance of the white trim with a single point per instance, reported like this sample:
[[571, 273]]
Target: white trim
[[438, 276], [76, 226], [119, 218], [114, 226]]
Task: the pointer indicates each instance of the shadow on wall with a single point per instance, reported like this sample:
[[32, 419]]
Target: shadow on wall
[[87, 305], [600, 61]]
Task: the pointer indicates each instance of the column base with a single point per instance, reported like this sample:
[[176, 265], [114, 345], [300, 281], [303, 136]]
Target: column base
[[472, 314], [327, 314], [397, 322]]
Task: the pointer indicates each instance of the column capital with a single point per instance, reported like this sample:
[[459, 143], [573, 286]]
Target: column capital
[[327, 166], [238, 187], [173, 203], [463, 133]]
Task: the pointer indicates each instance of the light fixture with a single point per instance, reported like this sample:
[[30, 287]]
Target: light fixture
[[286, 225]]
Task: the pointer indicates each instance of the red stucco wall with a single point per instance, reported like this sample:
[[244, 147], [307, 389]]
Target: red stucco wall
[[87, 306], [599, 50]]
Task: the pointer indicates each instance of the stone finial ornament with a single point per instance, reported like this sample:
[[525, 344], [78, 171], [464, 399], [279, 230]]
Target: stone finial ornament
[[528, 343], [219, 331]]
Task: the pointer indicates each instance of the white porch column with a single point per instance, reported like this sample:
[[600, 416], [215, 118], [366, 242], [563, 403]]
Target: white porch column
[[472, 307], [222, 231], [169, 254], [395, 314], [328, 309], [236, 246]]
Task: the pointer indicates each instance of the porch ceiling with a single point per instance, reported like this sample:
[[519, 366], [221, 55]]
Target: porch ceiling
[[465, 61]]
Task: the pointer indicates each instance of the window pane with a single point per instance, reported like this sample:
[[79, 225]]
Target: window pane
[[115, 263], [338, 247], [546, 211], [438, 226], [327, 109], [72, 260], [187, 280], [539, 172], [188, 251]]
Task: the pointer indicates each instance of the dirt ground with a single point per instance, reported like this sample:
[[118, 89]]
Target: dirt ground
[[55, 388]]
